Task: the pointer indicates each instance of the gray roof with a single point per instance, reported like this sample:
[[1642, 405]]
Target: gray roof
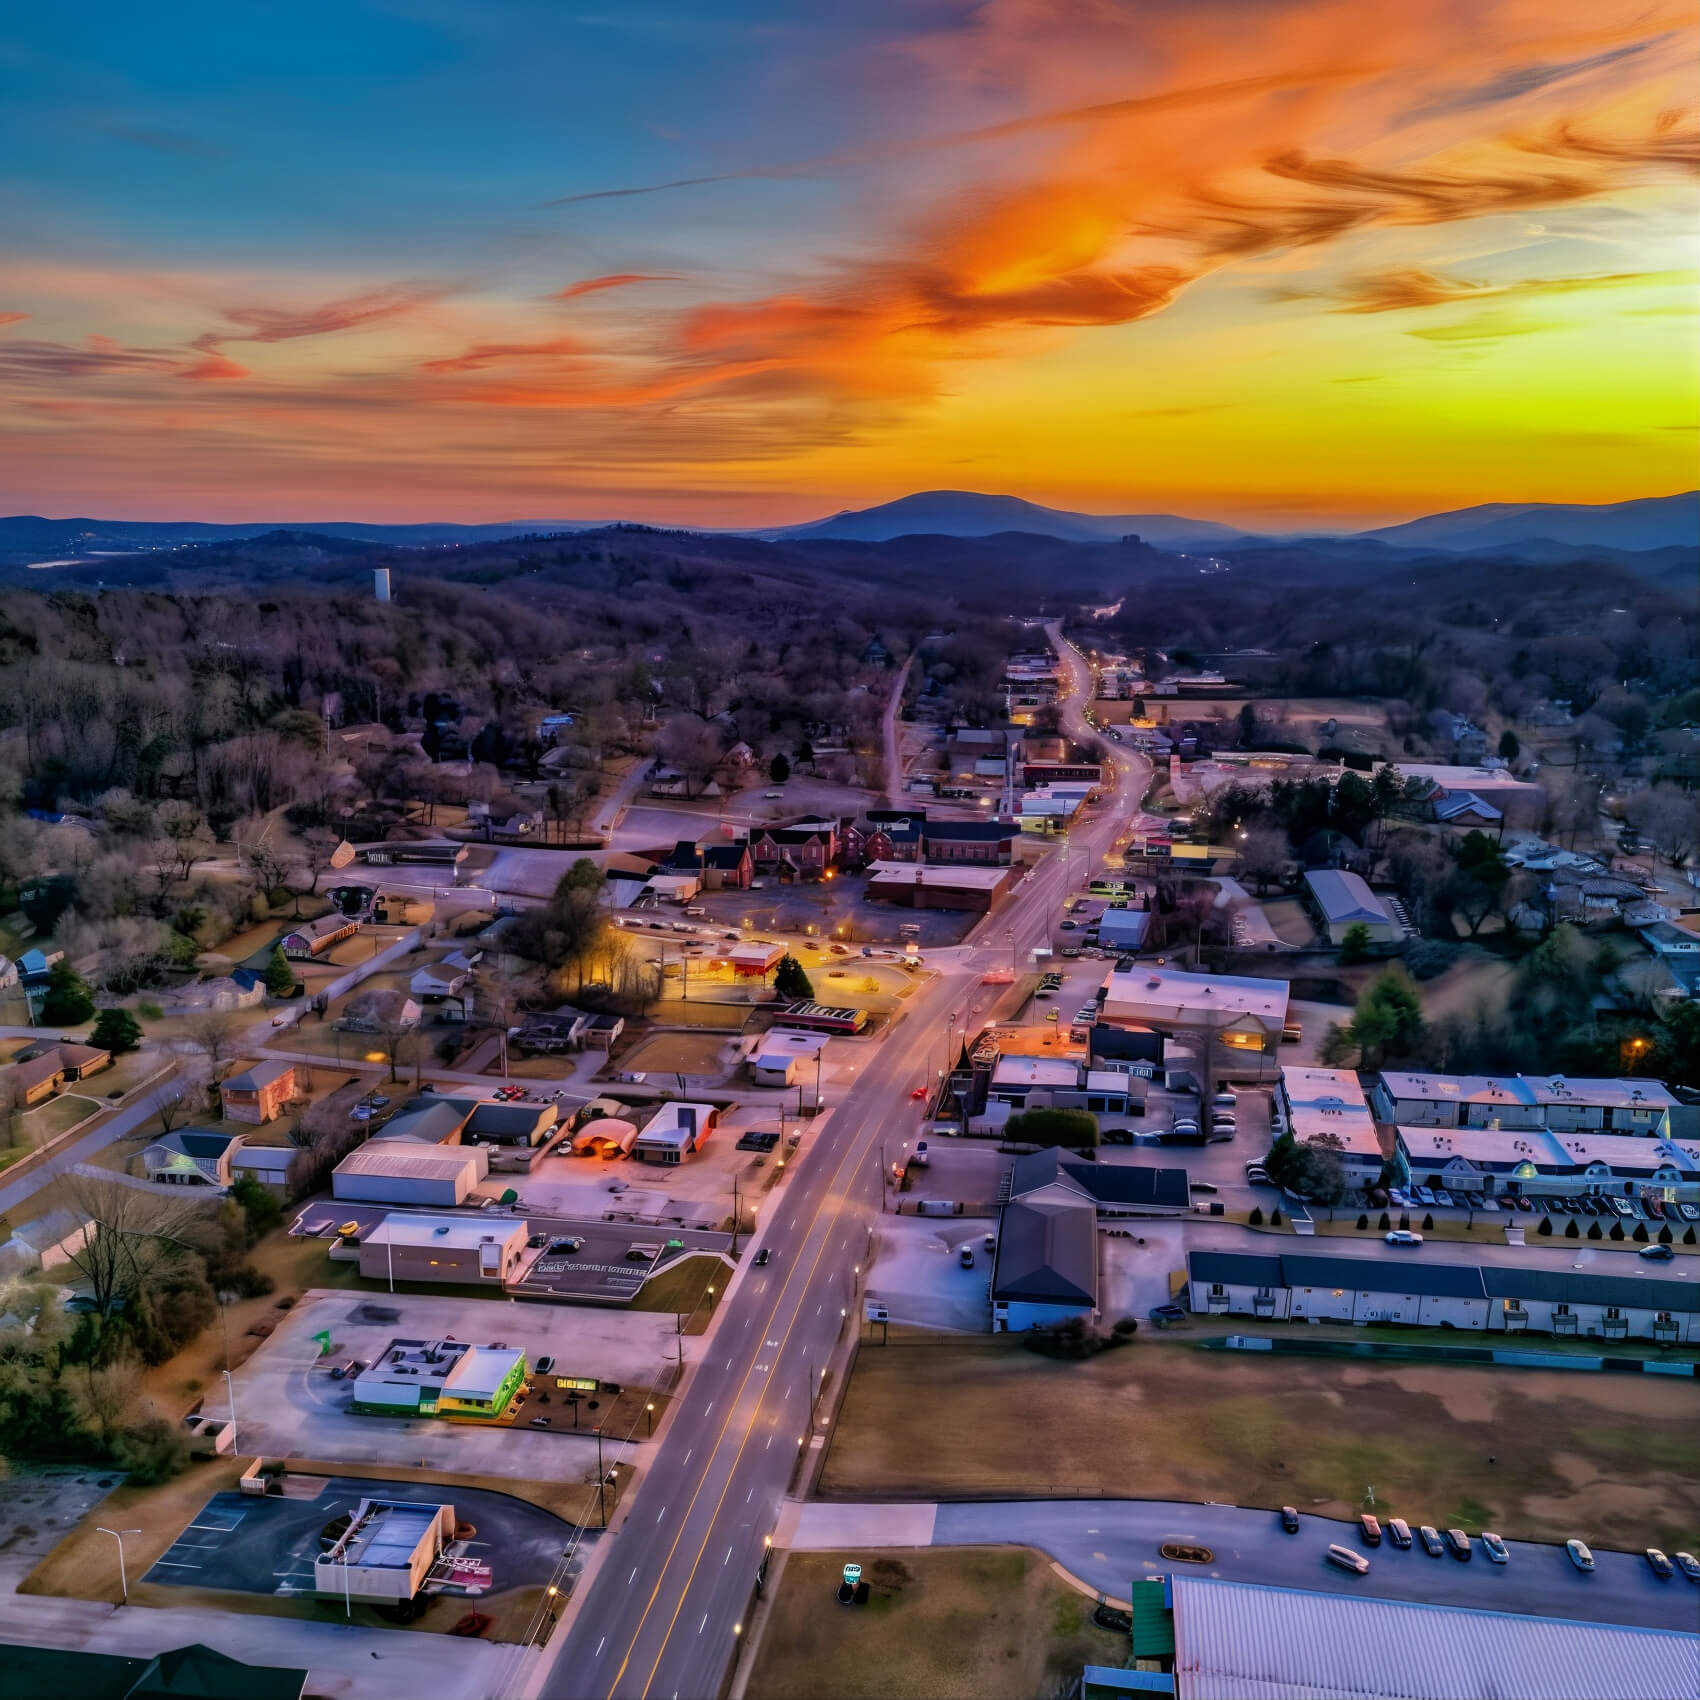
[[1563, 1286], [261, 1074], [1243, 1641], [430, 1121], [1345, 896], [1047, 1254], [1410, 1274], [1125, 1044], [1106, 1183], [1235, 1269], [201, 1143]]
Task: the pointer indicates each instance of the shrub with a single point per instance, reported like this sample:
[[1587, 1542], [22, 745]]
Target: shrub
[[1665, 1235], [1428, 1223], [1424, 959], [1573, 1230], [1363, 1222], [150, 1011], [1688, 1237], [117, 1031], [1385, 1223], [1075, 1130], [1616, 1231], [1355, 944], [1546, 1225], [1255, 1219], [1275, 1217], [1594, 1232], [1405, 1219], [1640, 1233], [152, 1451], [67, 1003]]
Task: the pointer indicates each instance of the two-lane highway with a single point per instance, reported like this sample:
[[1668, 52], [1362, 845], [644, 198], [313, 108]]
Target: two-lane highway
[[662, 1616]]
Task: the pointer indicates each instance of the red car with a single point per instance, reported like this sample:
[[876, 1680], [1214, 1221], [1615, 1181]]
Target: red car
[[919, 1092]]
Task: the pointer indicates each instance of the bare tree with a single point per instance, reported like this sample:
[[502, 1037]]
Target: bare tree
[[691, 746], [134, 1232], [317, 847], [178, 1098], [217, 1033], [104, 1396], [270, 869]]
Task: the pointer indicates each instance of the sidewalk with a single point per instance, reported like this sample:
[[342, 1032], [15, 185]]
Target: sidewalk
[[822, 1527]]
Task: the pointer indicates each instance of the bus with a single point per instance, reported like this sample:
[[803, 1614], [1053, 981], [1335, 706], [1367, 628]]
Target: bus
[[822, 1018]]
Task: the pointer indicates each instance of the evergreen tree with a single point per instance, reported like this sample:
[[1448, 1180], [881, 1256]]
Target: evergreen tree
[[67, 1001], [280, 977], [791, 982], [779, 769], [117, 1031], [1354, 946]]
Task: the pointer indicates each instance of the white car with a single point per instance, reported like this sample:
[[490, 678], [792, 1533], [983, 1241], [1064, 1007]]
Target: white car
[[1402, 1236], [1442, 1196]]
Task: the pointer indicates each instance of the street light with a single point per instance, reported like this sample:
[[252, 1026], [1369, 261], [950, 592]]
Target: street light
[[118, 1535], [230, 1394], [649, 1412]]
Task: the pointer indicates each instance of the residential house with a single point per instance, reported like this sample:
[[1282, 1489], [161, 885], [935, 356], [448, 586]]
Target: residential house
[[1523, 1101], [192, 1156], [557, 1030], [271, 1165], [1679, 949], [1326, 1107], [49, 1242], [715, 867], [381, 1010], [311, 939], [1343, 900], [885, 835], [806, 851], [40, 1070], [436, 981], [258, 1094], [35, 965]]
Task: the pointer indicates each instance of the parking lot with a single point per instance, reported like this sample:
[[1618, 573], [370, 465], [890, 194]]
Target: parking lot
[[253, 1544], [288, 1405]]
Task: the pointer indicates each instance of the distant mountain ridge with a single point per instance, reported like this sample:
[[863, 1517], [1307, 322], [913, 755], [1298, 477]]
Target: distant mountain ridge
[[1538, 530]]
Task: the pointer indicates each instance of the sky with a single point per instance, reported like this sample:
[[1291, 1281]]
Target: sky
[[1276, 262]]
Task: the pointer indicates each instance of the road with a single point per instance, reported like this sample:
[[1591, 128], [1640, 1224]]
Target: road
[[894, 787], [662, 1615], [1109, 1543]]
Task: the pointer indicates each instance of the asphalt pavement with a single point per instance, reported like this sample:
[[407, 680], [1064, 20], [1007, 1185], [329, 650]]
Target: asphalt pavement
[[1110, 1543], [664, 1611]]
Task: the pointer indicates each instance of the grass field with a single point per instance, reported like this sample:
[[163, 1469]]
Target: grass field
[[683, 1289], [1534, 1454], [983, 1623]]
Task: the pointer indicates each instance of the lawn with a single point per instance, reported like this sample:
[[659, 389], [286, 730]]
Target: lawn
[[979, 1622], [58, 1115], [682, 1288], [1541, 1454]]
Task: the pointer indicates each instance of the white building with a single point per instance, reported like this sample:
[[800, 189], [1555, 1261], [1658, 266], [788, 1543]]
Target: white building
[[1344, 900], [1327, 1107], [1524, 1101], [779, 1054], [1538, 1163], [387, 1551], [402, 1171], [675, 1132], [1245, 1016]]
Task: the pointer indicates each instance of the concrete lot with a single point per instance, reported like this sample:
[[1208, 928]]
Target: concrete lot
[[832, 909], [287, 1405], [263, 1545], [918, 1275]]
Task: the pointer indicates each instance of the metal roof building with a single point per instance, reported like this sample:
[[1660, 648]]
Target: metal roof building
[[1238, 1641]]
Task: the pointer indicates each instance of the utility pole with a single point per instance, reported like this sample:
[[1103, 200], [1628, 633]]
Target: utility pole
[[601, 1478], [123, 1578]]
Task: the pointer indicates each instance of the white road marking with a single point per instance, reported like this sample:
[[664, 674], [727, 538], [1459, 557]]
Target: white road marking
[[633, 1577], [603, 1642], [704, 1624], [688, 1455], [728, 1558], [661, 1513]]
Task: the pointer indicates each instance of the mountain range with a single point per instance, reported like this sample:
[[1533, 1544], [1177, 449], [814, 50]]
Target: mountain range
[[1533, 530]]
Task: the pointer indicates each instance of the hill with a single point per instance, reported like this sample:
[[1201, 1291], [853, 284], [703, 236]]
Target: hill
[[1654, 522]]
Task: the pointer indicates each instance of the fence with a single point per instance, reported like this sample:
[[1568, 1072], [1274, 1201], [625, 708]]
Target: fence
[[1503, 1357]]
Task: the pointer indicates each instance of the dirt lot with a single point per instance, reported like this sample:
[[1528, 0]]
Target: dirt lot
[[1536, 1455], [980, 1622]]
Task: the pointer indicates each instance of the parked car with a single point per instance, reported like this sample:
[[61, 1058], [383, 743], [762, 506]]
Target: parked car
[[1424, 1196], [539, 1422], [1200, 1186], [1371, 1528], [348, 1230], [1258, 1178], [1164, 1315], [545, 1365], [1399, 1532], [1289, 1519], [1579, 1554], [1657, 1253], [1689, 1212], [1458, 1544], [1689, 1565], [1495, 1548], [1433, 1545], [966, 1257], [1349, 1560], [1442, 1196], [1659, 1564], [1229, 1101]]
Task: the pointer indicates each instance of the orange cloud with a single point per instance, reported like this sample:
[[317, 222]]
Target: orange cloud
[[614, 280], [281, 324], [12, 318], [485, 354]]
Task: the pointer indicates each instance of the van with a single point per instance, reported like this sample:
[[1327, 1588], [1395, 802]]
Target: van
[[966, 1257], [696, 910]]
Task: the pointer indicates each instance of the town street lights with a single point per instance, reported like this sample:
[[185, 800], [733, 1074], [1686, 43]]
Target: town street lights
[[230, 1394], [118, 1535], [649, 1413]]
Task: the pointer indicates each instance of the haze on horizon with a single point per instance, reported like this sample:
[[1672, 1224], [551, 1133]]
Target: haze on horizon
[[1293, 263]]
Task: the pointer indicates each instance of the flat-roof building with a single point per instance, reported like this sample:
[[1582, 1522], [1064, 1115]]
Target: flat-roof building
[[1326, 1107], [446, 1378], [400, 1171], [675, 1132], [1523, 1101], [468, 1249], [1244, 1015], [387, 1551]]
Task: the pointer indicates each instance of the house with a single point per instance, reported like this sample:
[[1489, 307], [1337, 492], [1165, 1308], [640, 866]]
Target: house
[[987, 843], [436, 981], [1327, 1107], [562, 1029], [1344, 900], [311, 939], [471, 1249], [1590, 1306], [48, 1242], [192, 1156], [35, 965], [1678, 949], [384, 1009], [241, 988], [9, 975], [258, 1094], [727, 867], [1112, 1189], [1523, 1101], [40, 1070], [1521, 803], [802, 852], [884, 835], [674, 1132], [604, 1030], [270, 1165]]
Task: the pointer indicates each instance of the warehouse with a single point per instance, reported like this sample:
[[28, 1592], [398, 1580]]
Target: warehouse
[[1245, 1016], [469, 1249], [779, 1054], [1232, 1640], [398, 1171], [1344, 900], [387, 1551], [953, 886]]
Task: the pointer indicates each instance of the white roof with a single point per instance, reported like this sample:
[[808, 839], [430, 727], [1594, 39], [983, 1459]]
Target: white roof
[[1465, 778], [1621, 1150], [1617, 1094], [1239, 1641], [782, 1043], [462, 1233], [669, 1116], [954, 875], [1168, 992], [1324, 1086], [1528, 1089], [1035, 1071], [1345, 896], [1509, 1089], [397, 1159], [480, 1370], [1504, 1146], [766, 954]]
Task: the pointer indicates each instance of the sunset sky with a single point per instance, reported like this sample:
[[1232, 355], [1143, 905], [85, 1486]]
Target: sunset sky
[[1280, 262]]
